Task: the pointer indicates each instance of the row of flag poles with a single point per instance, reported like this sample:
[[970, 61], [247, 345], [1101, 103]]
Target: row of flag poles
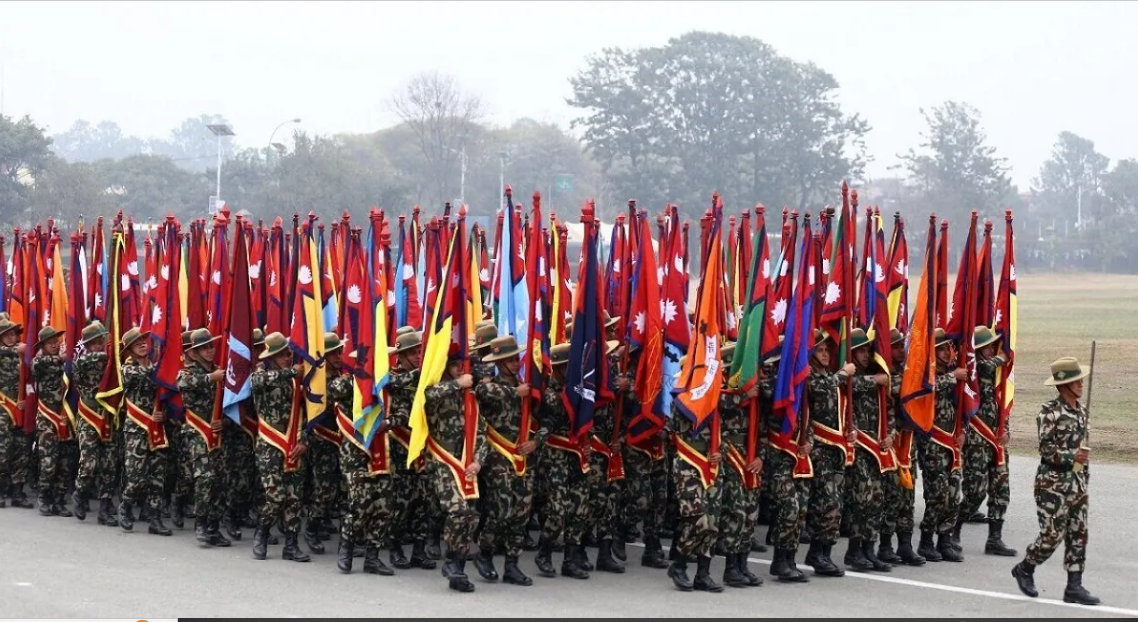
[[306, 280]]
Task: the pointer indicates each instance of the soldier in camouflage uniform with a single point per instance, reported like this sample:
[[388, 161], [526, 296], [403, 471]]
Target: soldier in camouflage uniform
[[568, 483], [13, 443], [97, 459], [1061, 484], [484, 333], [280, 465], [145, 462], [604, 493], [824, 514], [368, 517], [899, 499], [791, 495], [866, 477], [508, 496], [179, 485], [739, 504], [446, 419], [198, 383], [982, 476], [942, 483], [323, 472], [240, 470], [53, 431], [412, 498]]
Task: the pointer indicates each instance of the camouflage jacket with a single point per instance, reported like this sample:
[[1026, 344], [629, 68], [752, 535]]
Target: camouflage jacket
[[685, 430], [866, 411], [401, 387], [552, 414], [986, 370], [483, 371], [767, 419], [138, 385], [88, 375], [1062, 429], [895, 401], [945, 417], [10, 371], [341, 393], [446, 420], [273, 393], [47, 375], [198, 391], [822, 388], [501, 409], [733, 413]]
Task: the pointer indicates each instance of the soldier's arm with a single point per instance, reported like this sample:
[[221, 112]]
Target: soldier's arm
[[440, 391], [862, 382], [1052, 448], [730, 400], [945, 382], [480, 444], [492, 394], [132, 378], [194, 380]]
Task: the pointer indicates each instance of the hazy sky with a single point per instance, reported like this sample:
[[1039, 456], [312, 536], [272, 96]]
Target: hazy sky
[[1032, 68]]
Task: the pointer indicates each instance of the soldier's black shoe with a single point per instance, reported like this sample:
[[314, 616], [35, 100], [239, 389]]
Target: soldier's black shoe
[[373, 564], [905, 549], [528, 543], [201, 530], [634, 533], [19, 499], [344, 556], [678, 572], [396, 557], [821, 562], [260, 542], [157, 528], [44, 505], [312, 536], [947, 552], [126, 516], [791, 573], [741, 564], [732, 575], [453, 566], [606, 562], [812, 553], [215, 537], [927, 548], [1076, 593], [461, 584], [419, 556], [513, 575], [106, 514], [570, 564], [703, 581], [757, 546], [177, 514], [653, 556], [1024, 574], [618, 545], [855, 557], [292, 550], [582, 558], [977, 517], [59, 509], [954, 536], [544, 559], [779, 566], [885, 551], [233, 526], [79, 502], [484, 563], [871, 556], [995, 544], [434, 551]]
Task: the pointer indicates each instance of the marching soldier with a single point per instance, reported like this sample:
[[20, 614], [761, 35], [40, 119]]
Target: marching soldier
[[96, 447], [14, 445], [508, 494], [237, 439], [936, 458], [323, 463], [604, 493], [484, 332], [983, 475], [179, 487], [1061, 484], [899, 499], [145, 437], [280, 446], [866, 476], [53, 430], [202, 436]]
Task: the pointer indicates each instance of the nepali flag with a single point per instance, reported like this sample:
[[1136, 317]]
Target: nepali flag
[[646, 331], [535, 353], [218, 280], [918, 400], [408, 311], [1005, 325], [794, 367], [962, 323], [76, 321], [167, 325], [306, 335], [586, 374], [121, 296], [360, 325], [239, 359], [674, 311], [899, 277], [97, 275], [985, 294], [327, 285]]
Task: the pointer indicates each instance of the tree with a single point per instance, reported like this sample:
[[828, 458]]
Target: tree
[[191, 145], [67, 192], [149, 186], [1070, 183], [84, 142], [25, 152], [444, 121]]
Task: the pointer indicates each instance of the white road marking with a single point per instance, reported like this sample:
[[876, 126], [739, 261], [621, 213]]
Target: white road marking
[[23, 584]]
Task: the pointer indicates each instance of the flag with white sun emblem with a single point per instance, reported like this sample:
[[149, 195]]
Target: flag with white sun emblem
[[673, 311], [646, 332]]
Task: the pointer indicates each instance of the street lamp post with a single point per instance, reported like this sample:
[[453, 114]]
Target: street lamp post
[[462, 179], [282, 124], [219, 130]]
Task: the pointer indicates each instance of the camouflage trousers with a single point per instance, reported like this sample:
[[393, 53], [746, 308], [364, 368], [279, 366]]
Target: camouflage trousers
[[57, 461], [323, 479], [460, 515], [97, 463], [791, 498], [207, 473], [699, 509], [941, 488], [19, 458], [282, 490], [1061, 502], [568, 511], [368, 519], [867, 498], [240, 470], [507, 500], [645, 495], [144, 472], [738, 511], [897, 515], [412, 498], [603, 498], [824, 515], [179, 464], [982, 478], [7, 449]]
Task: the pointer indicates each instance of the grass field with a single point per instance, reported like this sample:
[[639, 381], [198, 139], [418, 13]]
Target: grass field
[[1059, 315]]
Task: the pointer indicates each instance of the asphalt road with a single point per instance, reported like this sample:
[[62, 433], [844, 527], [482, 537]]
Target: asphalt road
[[62, 568]]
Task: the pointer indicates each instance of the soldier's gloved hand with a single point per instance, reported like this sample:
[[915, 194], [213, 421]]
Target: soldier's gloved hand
[[465, 381], [473, 469], [527, 448], [1083, 455], [523, 390]]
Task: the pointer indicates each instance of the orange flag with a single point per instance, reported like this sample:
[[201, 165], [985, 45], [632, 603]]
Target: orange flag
[[918, 398]]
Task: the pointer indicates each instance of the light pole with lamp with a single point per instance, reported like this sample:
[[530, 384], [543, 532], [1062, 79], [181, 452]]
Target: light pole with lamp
[[462, 180], [219, 130], [282, 124]]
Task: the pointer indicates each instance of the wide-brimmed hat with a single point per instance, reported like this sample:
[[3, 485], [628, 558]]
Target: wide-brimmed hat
[[46, 334], [7, 324], [186, 338], [942, 338], [483, 335], [559, 354], [275, 343], [896, 336], [403, 330], [332, 343], [1065, 371], [611, 320], [858, 339], [727, 353], [131, 337], [406, 341], [983, 336], [201, 337], [820, 337], [93, 331], [502, 348], [258, 337], [611, 345]]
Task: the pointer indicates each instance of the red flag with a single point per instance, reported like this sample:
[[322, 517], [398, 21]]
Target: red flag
[[961, 324], [167, 330], [121, 298], [96, 293], [899, 277], [219, 288], [646, 330], [1006, 321], [985, 296], [150, 285]]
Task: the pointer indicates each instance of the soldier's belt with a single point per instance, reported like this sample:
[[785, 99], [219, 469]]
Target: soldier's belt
[[737, 460], [698, 461], [564, 443], [201, 426], [467, 486], [58, 421], [946, 440], [286, 443], [989, 435], [834, 438], [96, 420], [378, 451], [155, 432], [651, 447], [803, 465], [508, 449], [884, 458], [614, 459]]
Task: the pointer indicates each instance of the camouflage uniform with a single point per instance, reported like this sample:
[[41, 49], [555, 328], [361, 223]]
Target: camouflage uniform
[[240, 469], [739, 505], [567, 513], [368, 519], [412, 495], [445, 421], [791, 495], [699, 505], [942, 484], [11, 463], [897, 515], [824, 516], [1061, 493], [57, 459], [603, 494], [145, 469], [323, 477], [179, 484], [868, 496], [97, 459], [646, 490], [273, 391], [982, 477], [198, 392]]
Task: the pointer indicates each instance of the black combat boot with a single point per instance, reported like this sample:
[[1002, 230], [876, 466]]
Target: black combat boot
[[793, 574], [855, 557], [778, 563], [995, 544], [653, 556], [19, 498], [544, 559], [419, 556], [905, 549], [582, 557], [59, 507], [605, 558], [977, 517], [177, 513], [528, 543], [233, 526], [201, 530], [1024, 574], [570, 563], [757, 546], [885, 551], [214, 531], [372, 563], [44, 504], [927, 548], [1076, 593], [703, 581], [344, 555], [741, 564], [954, 536], [513, 575], [156, 527], [292, 550], [871, 556], [312, 536], [678, 571], [396, 557], [451, 568], [260, 542], [105, 516], [619, 540], [433, 548], [813, 552], [947, 552], [822, 564], [81, 505], [732, 575], [484, 563], [126, 516]]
